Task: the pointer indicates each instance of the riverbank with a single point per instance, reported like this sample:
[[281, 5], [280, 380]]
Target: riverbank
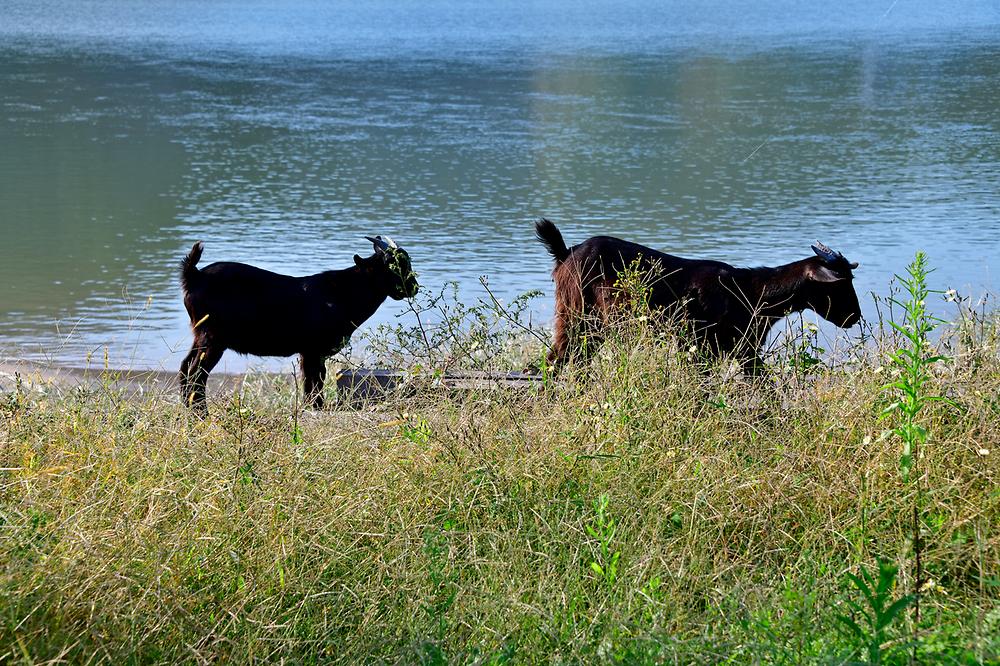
[[32, 375]]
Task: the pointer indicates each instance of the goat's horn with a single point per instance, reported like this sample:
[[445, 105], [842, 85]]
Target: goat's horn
[[825, 253], [378, 242]]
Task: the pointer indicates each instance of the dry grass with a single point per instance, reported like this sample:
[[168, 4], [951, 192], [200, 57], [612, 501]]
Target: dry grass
[[442, 527]]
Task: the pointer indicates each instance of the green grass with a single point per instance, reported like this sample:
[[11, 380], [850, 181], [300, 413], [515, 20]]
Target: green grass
[[635, 510]]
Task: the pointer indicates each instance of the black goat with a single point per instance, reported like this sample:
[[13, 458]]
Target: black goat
[[253, 311], [730, 310]]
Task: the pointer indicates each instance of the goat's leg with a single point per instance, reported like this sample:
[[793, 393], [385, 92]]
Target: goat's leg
[[194, 374], [188, 368], [313, 376], [560, 344], [183, 377], [577, 341]]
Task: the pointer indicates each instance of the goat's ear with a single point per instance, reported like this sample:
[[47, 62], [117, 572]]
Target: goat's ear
[[358, 260], [824, 274]]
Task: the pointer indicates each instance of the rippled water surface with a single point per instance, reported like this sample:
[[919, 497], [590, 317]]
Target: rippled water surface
[[280, 135]]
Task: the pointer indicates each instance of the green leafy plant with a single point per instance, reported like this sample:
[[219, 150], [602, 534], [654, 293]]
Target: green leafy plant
[[449, 333], [914, 361], [416, 429], [802, 352], [603, 528], [444, 590], [635, 282], [872, 617]]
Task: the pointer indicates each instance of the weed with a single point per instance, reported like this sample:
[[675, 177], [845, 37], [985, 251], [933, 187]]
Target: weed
[[914, 362], [873, 616], [443, 591], [603, 528], [415, 429]]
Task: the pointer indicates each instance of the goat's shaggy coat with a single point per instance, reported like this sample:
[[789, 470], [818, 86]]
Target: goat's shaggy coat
[[730, 310]]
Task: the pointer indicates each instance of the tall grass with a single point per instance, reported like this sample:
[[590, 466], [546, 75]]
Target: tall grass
[[636, 509]]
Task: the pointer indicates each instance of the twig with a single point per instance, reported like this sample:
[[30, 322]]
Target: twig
[[499, 306]]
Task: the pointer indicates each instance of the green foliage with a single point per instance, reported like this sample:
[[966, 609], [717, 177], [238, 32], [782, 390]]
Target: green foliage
[[635, 284], [914, 362], [869, 623], [602, 528], [416, 429], [803, 353], [449, 333], [443, 590]]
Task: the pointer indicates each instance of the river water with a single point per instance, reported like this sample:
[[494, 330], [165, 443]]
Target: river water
[[281, 133]]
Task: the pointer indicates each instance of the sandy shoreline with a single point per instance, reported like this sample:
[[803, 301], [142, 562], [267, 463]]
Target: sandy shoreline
[[358, 383], [32, 374]]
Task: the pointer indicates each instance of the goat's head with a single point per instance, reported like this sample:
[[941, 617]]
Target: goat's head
[[392, 264], [830, 291]]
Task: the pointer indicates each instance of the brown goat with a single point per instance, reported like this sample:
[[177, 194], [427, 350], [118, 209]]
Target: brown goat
[[730, 310], [254, 311]]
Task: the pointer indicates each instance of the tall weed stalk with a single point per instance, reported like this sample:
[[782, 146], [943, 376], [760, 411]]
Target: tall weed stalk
[[914, 361]]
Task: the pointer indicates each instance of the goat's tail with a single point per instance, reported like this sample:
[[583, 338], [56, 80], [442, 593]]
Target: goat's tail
[[549, 235], [189, 266]]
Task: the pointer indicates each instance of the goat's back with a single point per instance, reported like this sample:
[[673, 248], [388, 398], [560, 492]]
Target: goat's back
[[235, 286], [256, 311], [598, 262]]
